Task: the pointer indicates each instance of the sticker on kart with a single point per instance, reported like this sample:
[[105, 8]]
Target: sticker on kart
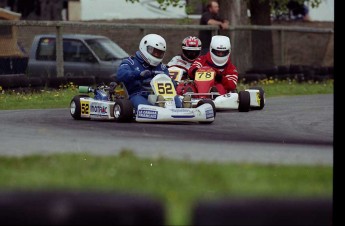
[[204, 75], [99, 109], [182, 113], [85, 108], [149, 114]]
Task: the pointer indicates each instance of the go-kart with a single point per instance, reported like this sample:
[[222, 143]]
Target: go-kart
[[203, 87], [112, 103]]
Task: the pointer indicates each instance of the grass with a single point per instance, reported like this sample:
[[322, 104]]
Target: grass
[[178, 184], [11, 99], [42, 99]]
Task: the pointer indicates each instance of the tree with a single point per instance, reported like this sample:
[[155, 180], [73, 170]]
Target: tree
[[262, 42], [236, 12]]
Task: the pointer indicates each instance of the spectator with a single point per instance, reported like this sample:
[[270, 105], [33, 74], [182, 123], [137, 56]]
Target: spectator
[[298, 10], [210, 17]]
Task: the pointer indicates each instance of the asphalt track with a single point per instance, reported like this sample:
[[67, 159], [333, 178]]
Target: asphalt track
[[289, 130]]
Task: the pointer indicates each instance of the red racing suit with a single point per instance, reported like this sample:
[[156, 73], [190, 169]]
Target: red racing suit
[[227, 75]]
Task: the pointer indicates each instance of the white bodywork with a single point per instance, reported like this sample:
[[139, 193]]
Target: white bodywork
[[96, 109], [203, 113], [228, 101], [103, 110]]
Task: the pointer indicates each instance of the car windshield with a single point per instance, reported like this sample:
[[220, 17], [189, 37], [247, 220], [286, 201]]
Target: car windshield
[[106, 50]]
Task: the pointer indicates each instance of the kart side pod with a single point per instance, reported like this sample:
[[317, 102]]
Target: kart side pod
[[204, 113]]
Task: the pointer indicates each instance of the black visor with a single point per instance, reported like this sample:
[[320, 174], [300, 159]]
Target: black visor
[[155, 52], [220, 53], [191, 54]]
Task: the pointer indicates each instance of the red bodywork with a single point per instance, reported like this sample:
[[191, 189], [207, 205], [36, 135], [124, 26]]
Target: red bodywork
[[203, 82]]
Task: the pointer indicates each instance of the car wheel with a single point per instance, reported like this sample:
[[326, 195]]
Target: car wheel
[[123, 110], [244, 101], [75, 108], [261, 97]]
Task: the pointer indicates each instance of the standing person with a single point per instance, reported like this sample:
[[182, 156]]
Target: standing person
[[191, 48], [298, 10], [211, 17], [218, 58], [136, 72]]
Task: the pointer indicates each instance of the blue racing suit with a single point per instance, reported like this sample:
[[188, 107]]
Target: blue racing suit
[[138, 87]]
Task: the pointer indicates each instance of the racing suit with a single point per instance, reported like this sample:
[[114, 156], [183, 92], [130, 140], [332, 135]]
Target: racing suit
[[226, 75], [138, 87], [178, 61]]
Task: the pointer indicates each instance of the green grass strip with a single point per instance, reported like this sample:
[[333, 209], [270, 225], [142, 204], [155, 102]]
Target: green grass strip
[[178, 184]]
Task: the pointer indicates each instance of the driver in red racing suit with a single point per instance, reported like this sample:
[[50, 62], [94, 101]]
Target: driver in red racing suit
[[218, 58]]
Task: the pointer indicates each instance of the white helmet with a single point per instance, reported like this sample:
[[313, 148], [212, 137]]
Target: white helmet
[[152, 48], [220, 49]]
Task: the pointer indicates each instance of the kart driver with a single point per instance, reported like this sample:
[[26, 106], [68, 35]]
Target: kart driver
[[191, 49], [136, 72], [218, 58]]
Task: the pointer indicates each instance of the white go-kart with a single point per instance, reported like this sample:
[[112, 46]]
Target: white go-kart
[[202, 87], [112, 103]]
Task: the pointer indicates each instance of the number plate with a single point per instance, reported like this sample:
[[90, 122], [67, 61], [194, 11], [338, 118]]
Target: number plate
[[176, 74], [165, 88], [85, 108], [204, 75]]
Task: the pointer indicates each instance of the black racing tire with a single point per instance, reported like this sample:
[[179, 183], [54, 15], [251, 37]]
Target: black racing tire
[[261, 96], [208, 101], [75, 107], [123, 110], [244, 101]]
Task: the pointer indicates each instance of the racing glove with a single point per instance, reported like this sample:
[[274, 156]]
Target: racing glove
[[143, 74], [218, 78]]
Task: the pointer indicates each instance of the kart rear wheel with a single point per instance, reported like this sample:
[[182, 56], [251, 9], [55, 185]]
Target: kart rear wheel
[[75, 107], [208, 101], [123, 110], [261, 96], [244, 101]]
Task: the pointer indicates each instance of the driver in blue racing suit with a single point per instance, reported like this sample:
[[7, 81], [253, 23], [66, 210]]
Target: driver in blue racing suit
[[136, 72]]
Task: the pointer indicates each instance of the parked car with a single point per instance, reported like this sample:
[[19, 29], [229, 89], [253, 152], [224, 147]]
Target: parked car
[[84, 55]]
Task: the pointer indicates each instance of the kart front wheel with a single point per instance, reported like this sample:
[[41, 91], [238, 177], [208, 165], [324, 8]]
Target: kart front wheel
[[75, 107], [208, 101], [123, 110], [244, 101]]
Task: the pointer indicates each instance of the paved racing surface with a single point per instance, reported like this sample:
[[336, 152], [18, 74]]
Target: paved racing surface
[[289, 130]]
